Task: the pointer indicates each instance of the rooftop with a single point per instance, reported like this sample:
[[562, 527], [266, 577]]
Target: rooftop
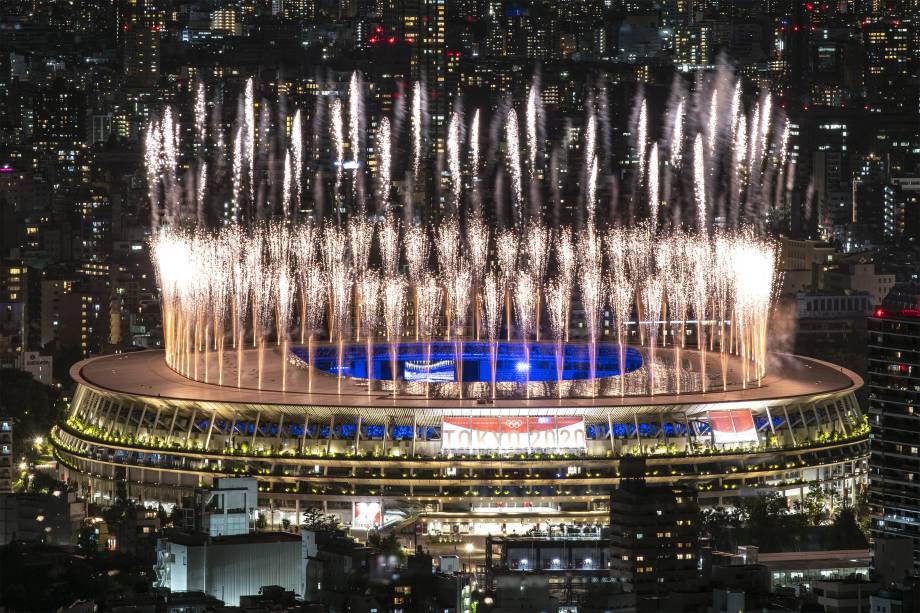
[[145, 374]]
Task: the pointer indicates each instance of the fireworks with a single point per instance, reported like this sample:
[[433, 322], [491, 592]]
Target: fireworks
[[417, 128], [417, 251], [448, 247], [674, 287], [654, 199], [385, 163], [454, 143], [389, 245], [513, 139]]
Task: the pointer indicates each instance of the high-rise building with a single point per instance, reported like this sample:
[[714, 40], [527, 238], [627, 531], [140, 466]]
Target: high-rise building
[[14, 319], [142, 25], [692, 45], [894, 416], [889, 63], [6, 455], [60, 129], [653, 537]]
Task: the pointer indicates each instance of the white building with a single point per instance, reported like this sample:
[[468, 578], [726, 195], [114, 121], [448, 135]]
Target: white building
[[228, 567]]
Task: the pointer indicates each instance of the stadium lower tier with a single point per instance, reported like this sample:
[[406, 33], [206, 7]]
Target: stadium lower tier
[[375, 461]]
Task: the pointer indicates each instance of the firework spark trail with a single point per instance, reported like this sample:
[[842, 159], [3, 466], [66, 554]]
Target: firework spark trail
[[557, 305], [388, 241], [201, 115], [642, 138], [263, 296], [699, 296], [338, 140], [533, 101], [448, 246], [713, 127], [474, 162], [477, 242], [677, 136], [590, 285], [565, 260], [537, 246], [313, 289], [285, 301], [454, 143], [739, 174], [286, 186], [249, 122], [384, 165], [169, 152], [677, 297], [360, 238], [237, 173], [513, 161], [152, 157], [652, 294], [735, 111], [394, 310], [621, 297], [591, 191], [525, 290], [654, 197], [459, 283], [753, 143], [417, 129], [355, 113], [699, 183], [492, 295], [297, 153], [506, 249], [417, 249], [340, 296], [590, 138], [429, 298], [369, 287]]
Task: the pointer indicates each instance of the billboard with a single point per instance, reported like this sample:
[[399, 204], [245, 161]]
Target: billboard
[[734, 426], [440, 371], [366, 515], [512, 433]]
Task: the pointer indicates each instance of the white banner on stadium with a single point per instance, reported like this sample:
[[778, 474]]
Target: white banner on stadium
[[512, 433], [734, 426]]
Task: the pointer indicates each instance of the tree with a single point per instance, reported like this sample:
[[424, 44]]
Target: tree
[[32, 407], [861, 511], [845, 530], [388, 545], [317, 521], [813, 507]]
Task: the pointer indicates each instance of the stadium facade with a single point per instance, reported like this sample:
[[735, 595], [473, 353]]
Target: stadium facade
[[473, 465]]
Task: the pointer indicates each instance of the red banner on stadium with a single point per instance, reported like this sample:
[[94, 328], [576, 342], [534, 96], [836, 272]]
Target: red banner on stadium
[[734, 426]]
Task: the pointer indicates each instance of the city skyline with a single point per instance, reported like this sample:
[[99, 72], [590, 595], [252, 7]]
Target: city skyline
[[472, 305]]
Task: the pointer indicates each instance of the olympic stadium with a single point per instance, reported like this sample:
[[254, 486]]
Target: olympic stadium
[[374, 457]]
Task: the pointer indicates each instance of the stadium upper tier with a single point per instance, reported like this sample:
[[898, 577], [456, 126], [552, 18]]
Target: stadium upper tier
[[135, 421], [145, 377]]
